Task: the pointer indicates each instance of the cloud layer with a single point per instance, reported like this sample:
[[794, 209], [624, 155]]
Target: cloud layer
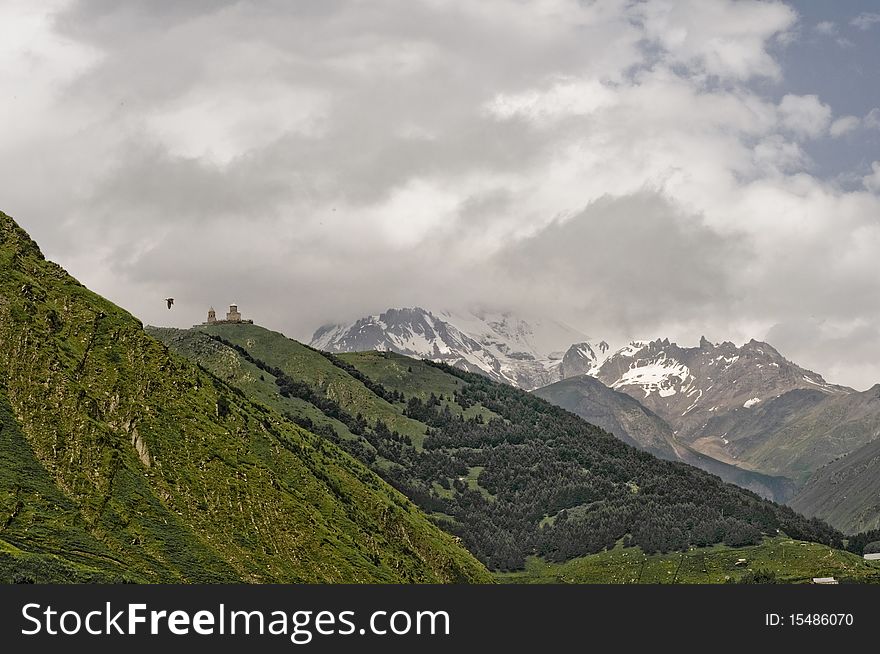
[[621, 165]]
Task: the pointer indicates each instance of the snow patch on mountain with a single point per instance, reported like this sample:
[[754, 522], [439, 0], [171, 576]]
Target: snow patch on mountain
[[661, 375], [527, 352], [691, 387]]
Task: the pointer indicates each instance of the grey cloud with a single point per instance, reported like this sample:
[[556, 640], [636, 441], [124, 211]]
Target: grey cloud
[[632, 261], [840, 352], [865, 20]]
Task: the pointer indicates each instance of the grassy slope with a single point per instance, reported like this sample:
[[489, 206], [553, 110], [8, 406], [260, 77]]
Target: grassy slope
[[791, 561], [412, 378], [846, 492], [394, 371], [307, 365], [836, 426], [227, 364], [121, 456], [63, 549]]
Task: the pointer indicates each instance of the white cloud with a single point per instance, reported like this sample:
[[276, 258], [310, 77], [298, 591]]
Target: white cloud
[[805, 115], [220, 122], [872, 181], [844, 125], [564, 98], [872, 119], [35, 64], [724, 38], [776, 155], [826, 27], [865, 20]]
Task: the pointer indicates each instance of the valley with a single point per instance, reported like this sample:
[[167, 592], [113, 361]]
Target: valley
[[776, 560]]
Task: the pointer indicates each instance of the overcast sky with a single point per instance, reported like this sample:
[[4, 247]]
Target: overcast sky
[[638, 169]]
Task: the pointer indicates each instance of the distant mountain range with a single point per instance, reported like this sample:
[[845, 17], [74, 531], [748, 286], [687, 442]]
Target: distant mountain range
[[524, 352], [846, 492], [625, 417], [744, 412]]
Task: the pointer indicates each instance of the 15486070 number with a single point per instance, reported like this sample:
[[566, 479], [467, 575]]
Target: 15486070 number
[[821, 619]]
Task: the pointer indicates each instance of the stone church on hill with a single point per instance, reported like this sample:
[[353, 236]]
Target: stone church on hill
[[233, 317]]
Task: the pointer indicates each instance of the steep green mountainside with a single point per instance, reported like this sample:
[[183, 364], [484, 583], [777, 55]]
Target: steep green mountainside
[[627, 419], [121, 460], [795, 433], [846, 492], [835, 426], [510, 474], [224, 362], [776, 560], [306, 365], [30, 497], [774, 487], [614, 412]]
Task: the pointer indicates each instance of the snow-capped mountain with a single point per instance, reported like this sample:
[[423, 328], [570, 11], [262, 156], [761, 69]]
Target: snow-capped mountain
[[689, 387], [722, 405], [525, 352]]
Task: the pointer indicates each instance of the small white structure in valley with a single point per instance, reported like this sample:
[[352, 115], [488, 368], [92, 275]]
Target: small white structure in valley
[[875, 556], [825, 580]]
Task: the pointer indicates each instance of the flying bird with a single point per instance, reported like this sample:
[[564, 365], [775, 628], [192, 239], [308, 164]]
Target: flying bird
[[169, 301]]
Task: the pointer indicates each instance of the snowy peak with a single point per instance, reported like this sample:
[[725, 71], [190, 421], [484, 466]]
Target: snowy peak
[[689, 386], [515, 336], [660, 374], [583, 359], [414, 332], [525, 352]]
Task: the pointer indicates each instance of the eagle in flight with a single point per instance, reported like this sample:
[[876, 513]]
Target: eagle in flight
[[169, 301]]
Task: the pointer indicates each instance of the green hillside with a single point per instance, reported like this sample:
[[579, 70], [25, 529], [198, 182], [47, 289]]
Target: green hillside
[[624, 417], [836, 426], [510, 474], [777, 559], [614, 411], [224, 362], [121, 460], [846, 492], [305, 364], [413, 379]]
